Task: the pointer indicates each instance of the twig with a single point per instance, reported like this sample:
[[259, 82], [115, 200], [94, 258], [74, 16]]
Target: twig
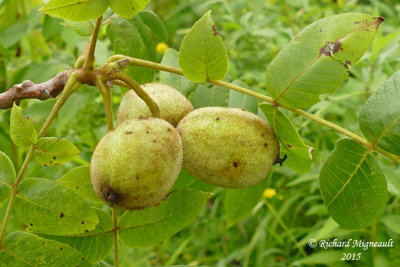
[[30, 90]]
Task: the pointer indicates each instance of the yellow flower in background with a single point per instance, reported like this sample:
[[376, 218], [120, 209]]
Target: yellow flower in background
[[269, 193], [161, 48]]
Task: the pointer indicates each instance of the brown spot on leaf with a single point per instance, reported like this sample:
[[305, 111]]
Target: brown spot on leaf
[[334, 47], [325, 51], [129, 132], [147, 132], [289, 146], [217, 119], [347, 64], [54, 158], [82, 222], [61, 248], [77, 187], [214, 29], [356, 22], [378, 21], [86, 231], [265, 145], [235, 164], [61, 215], [31, 224]]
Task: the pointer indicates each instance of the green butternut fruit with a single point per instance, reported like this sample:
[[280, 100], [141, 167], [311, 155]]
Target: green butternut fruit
[[172, 104], [135, 165], [228, 147]]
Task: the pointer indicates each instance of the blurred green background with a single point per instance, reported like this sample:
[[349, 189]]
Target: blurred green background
[[36, 47]]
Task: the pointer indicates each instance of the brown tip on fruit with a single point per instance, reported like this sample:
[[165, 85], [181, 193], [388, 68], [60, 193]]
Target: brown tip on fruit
[[279, 160], [110, 195]]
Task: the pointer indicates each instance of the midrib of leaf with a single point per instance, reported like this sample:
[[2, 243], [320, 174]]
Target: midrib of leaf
[[387, 130], [16, 257], [47, 208], [63, 5], [161, 219], [349, 180], [7, 184], [56, 153]]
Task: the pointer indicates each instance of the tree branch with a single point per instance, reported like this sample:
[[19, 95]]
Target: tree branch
[[30, 90]]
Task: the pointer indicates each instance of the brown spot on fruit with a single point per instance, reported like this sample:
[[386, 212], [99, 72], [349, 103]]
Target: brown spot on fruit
[[110, 195]]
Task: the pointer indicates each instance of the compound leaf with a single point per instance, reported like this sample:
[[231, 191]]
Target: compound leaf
[[22, 130], [7, 176], [78, 179], [380, 116], [352, 185], [53, 151], [93, 245], [127, 8], [48, 207], [26, 249], [203, 55], [77, 10], [315, 62], [150, 226]]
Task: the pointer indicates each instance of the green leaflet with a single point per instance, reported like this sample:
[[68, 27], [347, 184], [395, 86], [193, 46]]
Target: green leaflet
[[155, 24], [26, 249], [147, 227], [203, 55], [133, 38], [47, 206], [77, 10], [127, 8], [78, 179], [22, 130], [315, 62], [380, 116], [180, 83], [94, 245], [239, 203], [352, 185], [240, 100], [298, 154], [51, 151], [7, 176], [214, 96]]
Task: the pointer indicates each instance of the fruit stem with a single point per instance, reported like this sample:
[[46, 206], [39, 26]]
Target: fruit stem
[[71, 86], [115, 230], [118, 75], [148, 64], [92, 46], [106, 92]]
